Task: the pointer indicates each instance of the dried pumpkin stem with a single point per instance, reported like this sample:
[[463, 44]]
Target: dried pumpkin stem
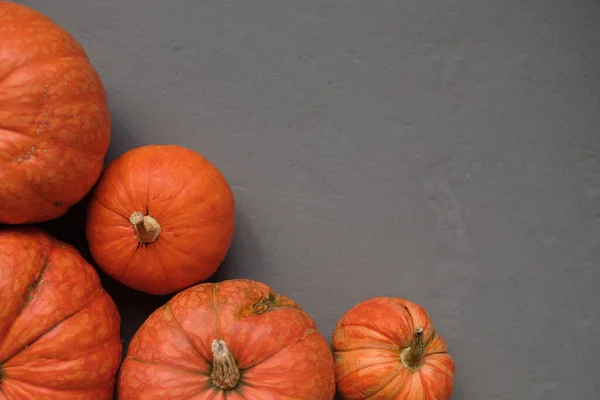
[[146, 227], [225, 374], [412, 357]]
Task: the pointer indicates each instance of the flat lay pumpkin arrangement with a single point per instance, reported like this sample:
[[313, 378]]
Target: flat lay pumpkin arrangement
[[160, 220]]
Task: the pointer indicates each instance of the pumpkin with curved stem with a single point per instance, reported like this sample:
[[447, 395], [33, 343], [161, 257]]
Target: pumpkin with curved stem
[[54, 118], [161, 219], [233, 340], [386, 349], [59, 330]]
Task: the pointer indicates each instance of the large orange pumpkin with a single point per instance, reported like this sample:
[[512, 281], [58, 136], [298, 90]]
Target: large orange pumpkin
[[386, 349], [233, 340], [54, 118], [59, 330], [161, 219]]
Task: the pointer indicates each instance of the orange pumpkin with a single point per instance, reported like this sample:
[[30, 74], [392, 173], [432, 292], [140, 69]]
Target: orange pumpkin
[[59, 330], [160, 219], [233, 340], [54, 118], [386, 348]]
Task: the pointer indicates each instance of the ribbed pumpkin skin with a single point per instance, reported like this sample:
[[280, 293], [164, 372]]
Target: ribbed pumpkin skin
[[54, 118], [190, 199], [368, 342], [59, 330], [275, 344]]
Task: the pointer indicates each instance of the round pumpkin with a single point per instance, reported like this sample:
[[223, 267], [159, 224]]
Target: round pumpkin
[[161, 219], [59, 330], [233, 340], [386, 348], [54, 118]]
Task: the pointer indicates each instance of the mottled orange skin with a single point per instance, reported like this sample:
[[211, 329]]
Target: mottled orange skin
[[54, 118], [280, 352], [190, 199], [59, 330], [367, 342]]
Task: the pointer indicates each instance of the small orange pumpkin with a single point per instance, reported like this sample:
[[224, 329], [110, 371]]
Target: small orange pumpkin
[[234, 340], [54, 118], [161, 219], [386, 348]]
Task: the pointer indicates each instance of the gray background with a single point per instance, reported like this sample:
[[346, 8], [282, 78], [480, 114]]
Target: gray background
[[446, 152]]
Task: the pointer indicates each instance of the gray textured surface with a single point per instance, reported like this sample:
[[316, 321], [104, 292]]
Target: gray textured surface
[[445, 152]]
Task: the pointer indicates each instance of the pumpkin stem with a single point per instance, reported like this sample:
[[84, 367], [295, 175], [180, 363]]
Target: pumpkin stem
[[225, 374], [146, 227], [412, 357]]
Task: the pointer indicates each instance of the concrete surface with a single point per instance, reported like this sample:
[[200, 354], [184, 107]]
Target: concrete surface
[[445, 152]]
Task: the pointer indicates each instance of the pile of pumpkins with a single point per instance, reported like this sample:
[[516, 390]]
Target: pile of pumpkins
[[160, 220]]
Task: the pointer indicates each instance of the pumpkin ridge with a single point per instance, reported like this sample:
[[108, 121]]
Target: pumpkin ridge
[[371, 329], [16, 158], [25, 300], [425, 387], [71, 146], [216, 311], [435, 366], [16, 353], [180, 327], [393, 375], [157, 255], [38, 61], [413, 322], [74, 357], [129, 263], [362, 348], [96, 389], [42, 110], [28, 295], [40, 115], [307, 333], [433, 333], [16, 132], [73, 99], [399, 390], [112, 211], [33, 187], [147, 206], [428, 343], [408, 312], [437, 352], [206, 389], [141, 361]]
